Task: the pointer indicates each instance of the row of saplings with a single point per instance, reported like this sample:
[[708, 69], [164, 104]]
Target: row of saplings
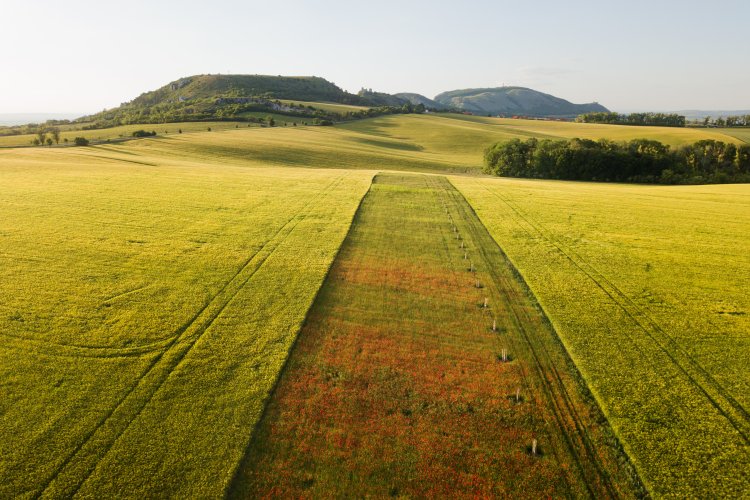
[[503, 356], [640, 160]]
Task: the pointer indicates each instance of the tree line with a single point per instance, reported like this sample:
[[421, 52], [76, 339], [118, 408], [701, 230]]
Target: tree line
[[725, 121], [641, 119], [639, 160]]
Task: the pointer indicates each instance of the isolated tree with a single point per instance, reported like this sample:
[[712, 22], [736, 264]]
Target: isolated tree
[[49, 141], [81, 141], [41, 134], [35, 142], [55, 134], [271, 121]]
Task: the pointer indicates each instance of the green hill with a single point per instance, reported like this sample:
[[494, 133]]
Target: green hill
[[249, 98], [222, 97], [510, 101], [302, 88]]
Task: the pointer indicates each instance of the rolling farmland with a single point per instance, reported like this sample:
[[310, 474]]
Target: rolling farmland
[[647, 287], [145, 315], [152, 290], [398, 385], [371, 250]]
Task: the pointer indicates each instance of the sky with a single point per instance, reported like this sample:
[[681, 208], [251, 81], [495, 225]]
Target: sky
[[82, 56]]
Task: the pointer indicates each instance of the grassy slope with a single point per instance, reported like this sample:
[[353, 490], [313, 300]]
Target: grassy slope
[[138, 335], [320, 147], [669, 135], [461, 139], [330, 107], [395, 385], [648, 289]]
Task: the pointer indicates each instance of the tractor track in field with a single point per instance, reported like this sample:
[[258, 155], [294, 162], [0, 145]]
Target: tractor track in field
[[547, 377], [722, 401], [527, 383], [54, 349], [174, 353], [449, 254]]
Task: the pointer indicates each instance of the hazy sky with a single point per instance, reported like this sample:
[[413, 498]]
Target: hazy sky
[[83, 56]]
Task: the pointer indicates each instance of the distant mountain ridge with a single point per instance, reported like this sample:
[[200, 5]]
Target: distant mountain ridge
[[514, 101]]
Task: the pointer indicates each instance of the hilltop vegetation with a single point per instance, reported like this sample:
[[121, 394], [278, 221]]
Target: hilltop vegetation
[[381, 98], [238, 97], [206, 97], [417, 99], [510, 101], [303, 88]]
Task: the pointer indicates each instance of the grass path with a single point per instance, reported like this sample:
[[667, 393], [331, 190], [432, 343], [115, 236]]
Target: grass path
[[397, 383]]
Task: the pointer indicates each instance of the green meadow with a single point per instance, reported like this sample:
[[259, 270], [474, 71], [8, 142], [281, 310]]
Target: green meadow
[[152, 291]]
